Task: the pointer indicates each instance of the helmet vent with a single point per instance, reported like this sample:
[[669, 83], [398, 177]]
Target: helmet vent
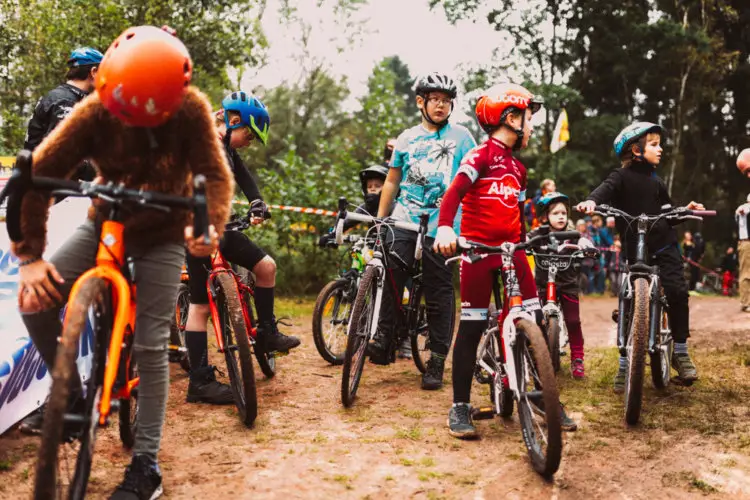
[[129, 36]]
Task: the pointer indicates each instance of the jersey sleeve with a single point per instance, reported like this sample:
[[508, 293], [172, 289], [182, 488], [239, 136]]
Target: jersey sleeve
[[472, 164], [398, 159]]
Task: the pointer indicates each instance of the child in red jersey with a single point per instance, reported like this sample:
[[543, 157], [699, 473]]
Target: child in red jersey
[[491, 186]]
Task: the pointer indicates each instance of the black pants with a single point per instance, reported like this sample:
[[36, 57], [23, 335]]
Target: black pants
[[437, 285], [672, 277]]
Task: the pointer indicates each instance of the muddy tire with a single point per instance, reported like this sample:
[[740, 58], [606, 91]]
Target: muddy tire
[[636, 351], [499, 385], [330, 320], [419, 333], [177, 348], [661, 359], [553, 341]]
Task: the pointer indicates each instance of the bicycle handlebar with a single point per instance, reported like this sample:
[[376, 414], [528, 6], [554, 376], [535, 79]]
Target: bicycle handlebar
[[673, 213], [478, 251], [21, 181]]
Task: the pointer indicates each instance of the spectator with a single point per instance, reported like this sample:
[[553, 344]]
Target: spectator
[[616, 266], [695, 270], [742, 216], [728, 268], [547, 186], [688, 253], [587, 266], [602, 241]]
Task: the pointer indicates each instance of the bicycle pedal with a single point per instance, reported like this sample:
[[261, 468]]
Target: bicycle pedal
[[483, 413]]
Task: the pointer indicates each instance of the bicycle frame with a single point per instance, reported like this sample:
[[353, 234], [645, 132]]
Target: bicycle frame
[[110, 258]]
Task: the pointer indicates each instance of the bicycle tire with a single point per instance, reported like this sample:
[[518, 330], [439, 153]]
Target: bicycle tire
[[553, 341], [358, 336], [235, 338], [177, 347], [531, 351], [128, 423], [419, 334], [92, 293], [266, 361], [506, 401], [661, 359], [336, 291], [637, 348]]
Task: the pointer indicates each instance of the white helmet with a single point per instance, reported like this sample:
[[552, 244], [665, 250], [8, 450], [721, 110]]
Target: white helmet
[[435, 82]]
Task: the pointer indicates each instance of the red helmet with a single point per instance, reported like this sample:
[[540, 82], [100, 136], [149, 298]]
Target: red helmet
[[144, 76], [493, 107]]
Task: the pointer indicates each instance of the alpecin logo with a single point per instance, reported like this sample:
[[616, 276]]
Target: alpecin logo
[[507, 190]]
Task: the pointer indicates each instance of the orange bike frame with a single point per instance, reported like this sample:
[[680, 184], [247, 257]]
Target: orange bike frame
[[110, 258]]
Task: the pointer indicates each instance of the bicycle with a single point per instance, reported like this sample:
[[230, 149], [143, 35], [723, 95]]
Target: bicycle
[[333, 305], [411, 319], [515, 361], [230, 296], [642, 314], [105, 297], [177, 347], [553, 263]]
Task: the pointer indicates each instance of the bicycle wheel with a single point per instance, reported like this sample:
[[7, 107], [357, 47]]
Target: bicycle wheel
[[128, 408], [500, 382], [266, 361], [419, 332], [661, 358], [539, 399], [553, 340], [237, 352], [330, 320], [362, 318], [58, 449], [636, 350], [177, 347]]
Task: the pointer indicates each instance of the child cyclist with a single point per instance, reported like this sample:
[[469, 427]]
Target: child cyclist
[[147, 128], [242, 119], [635, 188], [491, 185], [552, 210]]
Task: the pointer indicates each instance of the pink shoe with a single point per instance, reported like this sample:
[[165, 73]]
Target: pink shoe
[[576, 369]]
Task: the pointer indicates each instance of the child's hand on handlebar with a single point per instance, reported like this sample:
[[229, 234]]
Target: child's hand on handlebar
[[694, 205], [586, 207], [445, 241], [197, 246]]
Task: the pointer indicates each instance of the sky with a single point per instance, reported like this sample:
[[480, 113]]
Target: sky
[[422, 38]]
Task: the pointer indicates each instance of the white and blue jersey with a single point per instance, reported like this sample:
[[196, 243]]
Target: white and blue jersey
[[428, 161]]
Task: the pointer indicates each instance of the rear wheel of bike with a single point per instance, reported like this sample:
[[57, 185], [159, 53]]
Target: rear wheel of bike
[[237, 352], [60, 455], [661, 358], [177, 347], [539, 399], [419, 332], [500, 382], [331, 318], [553, 341], [362, 318], [636, 350], [128, 408]]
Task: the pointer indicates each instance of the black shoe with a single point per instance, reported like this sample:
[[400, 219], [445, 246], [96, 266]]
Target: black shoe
[[567, 424], [204, 388], [377, 350], [270, 339], [404, 350], [32, 425], [142, 481], [432, 379], [460, 423]]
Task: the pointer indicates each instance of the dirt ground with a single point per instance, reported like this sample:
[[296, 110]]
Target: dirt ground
[[692, 442]]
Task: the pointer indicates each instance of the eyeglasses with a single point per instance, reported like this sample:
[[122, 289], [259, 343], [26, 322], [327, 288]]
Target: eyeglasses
[[438, 101]]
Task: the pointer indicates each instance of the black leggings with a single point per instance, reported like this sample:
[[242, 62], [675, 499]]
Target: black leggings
[[465, 358]]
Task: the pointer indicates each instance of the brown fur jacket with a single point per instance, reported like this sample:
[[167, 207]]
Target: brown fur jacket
[[187, 145]]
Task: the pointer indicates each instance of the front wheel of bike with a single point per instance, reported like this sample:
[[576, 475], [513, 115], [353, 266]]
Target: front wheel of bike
[[500, 382], [538, 399], [636, 350], [553, 341], [661, 358], [419, 332], [61, 443], [237, 352], [331, 318], [363, 317], [266, 361]]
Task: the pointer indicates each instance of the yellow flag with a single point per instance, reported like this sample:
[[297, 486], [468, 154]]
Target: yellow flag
[[561, 136]]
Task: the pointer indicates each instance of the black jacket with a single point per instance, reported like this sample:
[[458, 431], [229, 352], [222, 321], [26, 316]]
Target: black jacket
[[636, 190], [566, 281], [242, 175]]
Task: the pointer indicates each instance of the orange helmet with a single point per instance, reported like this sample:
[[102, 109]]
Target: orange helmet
[[495, 105], [144, 75]]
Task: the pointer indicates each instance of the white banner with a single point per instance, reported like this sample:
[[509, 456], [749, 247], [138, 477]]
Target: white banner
[[24, 381]]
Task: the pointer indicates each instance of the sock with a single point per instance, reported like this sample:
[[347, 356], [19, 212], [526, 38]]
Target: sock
[[680, 348], [464, 359], [197, 346], [264, 304], [623, 363]]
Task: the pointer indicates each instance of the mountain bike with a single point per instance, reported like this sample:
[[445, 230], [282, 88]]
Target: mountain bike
[[411, 319], [104, 296], [642, 314], [333, 306], [553, 259], [514, 360]]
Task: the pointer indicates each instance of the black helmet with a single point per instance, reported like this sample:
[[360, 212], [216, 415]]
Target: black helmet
[[372, 172]]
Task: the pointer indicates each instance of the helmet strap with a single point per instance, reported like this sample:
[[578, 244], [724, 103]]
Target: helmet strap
[[228, 137]]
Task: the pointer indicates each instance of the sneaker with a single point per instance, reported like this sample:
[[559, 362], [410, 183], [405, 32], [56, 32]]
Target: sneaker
[[620, 378], [270, 339], [32, 425], [204, 388], [142, 481], [460, 423], [685, 368], [432, 379], [567, 424], [576, 369], [377, 350], [404, 350]]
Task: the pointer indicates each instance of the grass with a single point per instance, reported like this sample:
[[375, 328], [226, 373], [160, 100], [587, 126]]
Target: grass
[[344, 480], [414, 433], [5, 465], [294, 308]]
